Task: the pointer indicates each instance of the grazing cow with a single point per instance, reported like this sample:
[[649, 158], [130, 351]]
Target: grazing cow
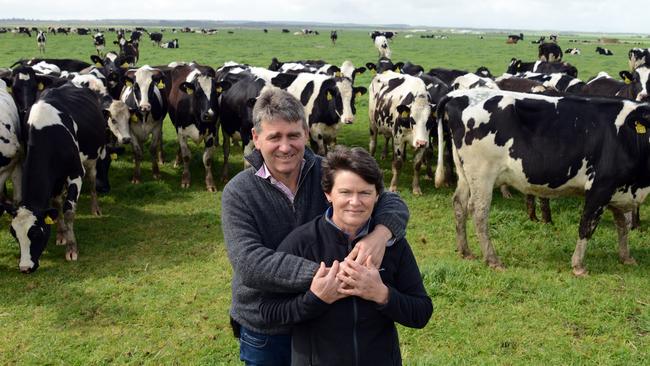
[[145, 93], [170, 44], [100, 42], [399, 109], [540, 40], [550, 52], [66, 136], [524, 85], [561, 82], [284, 30], [381, 43], [156, 38], [82, 31], [194, 109], [41, 38], [265, 30], [24, 30], [597, 146], [135, 36], [449, 75], [638, 57], [470, 81], [635, 87], [572, 51], [112, 67], [513, 38], [517, 66], [604, 51], [11, 151], [334, 37]]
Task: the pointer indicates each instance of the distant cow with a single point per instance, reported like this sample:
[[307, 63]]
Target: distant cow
[[388, 35], [66, 136], [41, 38], [156, 38], [550, 52], [381, 43], [399, 109], [572, 51], [517, 66], [286, 30], [100, 42], [604, 51], [170, 44], [513, 38], [597, 147], [333, 37]]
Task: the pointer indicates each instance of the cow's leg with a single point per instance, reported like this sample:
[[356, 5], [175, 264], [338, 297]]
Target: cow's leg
[[71, 250], [622, 229], [208, 153], [186, 156], [634, 217], [373, 141], [57, 202], [530, 207], [545, 207], [505, 192], [137, 161], [226, 156], [428, 159], [156, 150], [396, 166], [479, 203], [418, 158], [384, 152], [595, 202], [91, 174], [178, 160], [460, 202], [16, 180]]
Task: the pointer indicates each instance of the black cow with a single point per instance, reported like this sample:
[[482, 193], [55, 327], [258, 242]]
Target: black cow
[[194, 110], [24, 30], [334, 37], [635, 86], [388, 35], [513, 38], [66, 136], [550, 52], [598, 148], [100, 42], [604, 51], [517, 66], [286, 30], [83, 31], [156, 38], [449, 75]]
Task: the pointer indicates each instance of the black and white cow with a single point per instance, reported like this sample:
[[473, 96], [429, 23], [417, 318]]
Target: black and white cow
[[112, 67], [635, 86], [156, 38], [549, 52], [41, 38], [638, 57], [66, 136], [66, 64], [384, 64], [604, 51], [100, 42], [598, 148], [194, 110], [522, 85], [170, 44], [561, 82], [334, 37], [517, 66], [399, 109], [11, 151], [381, 44], [388, 35], [572, 51], [449, 75], [145, 93]]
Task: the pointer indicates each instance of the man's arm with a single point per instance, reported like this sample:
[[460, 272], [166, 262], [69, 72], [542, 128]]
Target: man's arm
[[260, 267], [391, 216]]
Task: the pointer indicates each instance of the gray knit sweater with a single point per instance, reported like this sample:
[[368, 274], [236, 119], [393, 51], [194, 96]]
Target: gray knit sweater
[[256, 216]]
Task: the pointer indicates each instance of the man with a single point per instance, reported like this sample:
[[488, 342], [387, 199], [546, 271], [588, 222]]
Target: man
[[262, 204]]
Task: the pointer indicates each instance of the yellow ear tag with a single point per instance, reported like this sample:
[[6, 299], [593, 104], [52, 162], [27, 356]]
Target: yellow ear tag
[[219, 89], [374, 71], [9, 90], [48, 220], [628, 81], [188, 91], [405, 114], [133, 118], [128, 83], [41, 86], [124, 65], [398, 71], [329, 96], [640, 128], [161, 85], [113, 156], [359, 94], [338, 74], [97, 64]]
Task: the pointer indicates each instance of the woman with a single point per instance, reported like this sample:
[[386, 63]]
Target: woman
[[347, 317]]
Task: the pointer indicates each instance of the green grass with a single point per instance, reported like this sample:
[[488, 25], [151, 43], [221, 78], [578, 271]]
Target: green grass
[[152, 284]]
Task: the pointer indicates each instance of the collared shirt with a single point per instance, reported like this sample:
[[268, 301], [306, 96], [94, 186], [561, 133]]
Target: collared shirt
[[264, 173], [363, 231]]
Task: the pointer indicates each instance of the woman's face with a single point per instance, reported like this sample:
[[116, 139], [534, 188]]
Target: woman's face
[[353, 200]]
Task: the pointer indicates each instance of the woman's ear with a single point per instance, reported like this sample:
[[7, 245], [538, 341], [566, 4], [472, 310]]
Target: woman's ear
[[329, 197]]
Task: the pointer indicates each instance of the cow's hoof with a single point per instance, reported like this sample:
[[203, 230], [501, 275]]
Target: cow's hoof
[[211, 188], [417, 192], [393, 188], [185, 185], [71, 255], [468, 256], [629, 261], [97, 212], [156, 176], [580, 272], [60, 239], [136, 181], [496, 265]]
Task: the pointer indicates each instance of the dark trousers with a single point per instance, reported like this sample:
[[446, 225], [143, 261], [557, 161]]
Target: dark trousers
[[257, 349]]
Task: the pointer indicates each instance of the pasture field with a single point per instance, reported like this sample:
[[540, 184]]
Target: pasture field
[[152, 283]]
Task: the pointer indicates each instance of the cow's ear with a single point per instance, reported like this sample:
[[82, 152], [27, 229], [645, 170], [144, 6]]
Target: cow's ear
[[626, 76], [8, 207], [359, 70], [404, 111], [222, 86], [43, 82], [359, 91], [187, 88], [129, 78], [371, 66], [106, 113], [97, 61], [398, 67]]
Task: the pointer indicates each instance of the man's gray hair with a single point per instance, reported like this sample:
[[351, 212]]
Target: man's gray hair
[[276, 104]]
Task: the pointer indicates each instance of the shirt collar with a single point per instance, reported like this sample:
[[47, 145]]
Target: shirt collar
[[363, 231]]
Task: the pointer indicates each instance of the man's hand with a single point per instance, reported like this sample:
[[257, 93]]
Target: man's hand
[[372, 245], [363, 281], [325, 285]]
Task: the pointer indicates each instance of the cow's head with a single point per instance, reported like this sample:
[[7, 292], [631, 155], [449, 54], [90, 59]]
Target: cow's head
[[147, 85], [275, 64], [417, 116], [348, 70], [514, 66], [117, 116], [348, 95], [204, 92], [26, 88], [32, 230], [641, 80], [638, 57]]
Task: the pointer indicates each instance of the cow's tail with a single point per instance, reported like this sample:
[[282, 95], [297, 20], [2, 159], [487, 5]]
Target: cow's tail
[[440, 167]]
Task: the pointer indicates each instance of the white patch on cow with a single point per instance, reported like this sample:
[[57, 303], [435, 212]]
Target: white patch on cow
[[644, 75], [42, 115], [192, 132], [347, 69], [264, 74], [118, 121], [601, 75], [381, 43], [112, 56], [536, 65], [298, 85], [22, 76], [469, 81], [192, 75], [206, 84], [9, 122], [46, 68], [628, 107], [90, 81], [321, 129], [345, 88], [506, 101], [21, 224]]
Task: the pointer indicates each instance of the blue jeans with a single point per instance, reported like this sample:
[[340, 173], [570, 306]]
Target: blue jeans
[[257, 349]]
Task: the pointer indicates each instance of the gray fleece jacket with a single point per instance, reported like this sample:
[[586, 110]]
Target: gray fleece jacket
[[255, 218]]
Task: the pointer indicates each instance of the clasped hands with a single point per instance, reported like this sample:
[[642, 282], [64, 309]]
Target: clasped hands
[[349, 278]]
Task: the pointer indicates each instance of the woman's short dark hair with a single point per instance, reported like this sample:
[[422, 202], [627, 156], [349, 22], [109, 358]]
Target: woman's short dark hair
[[356, 160]]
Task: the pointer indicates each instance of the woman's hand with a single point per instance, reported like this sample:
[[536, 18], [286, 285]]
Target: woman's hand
[[363, 281], [325, 284]]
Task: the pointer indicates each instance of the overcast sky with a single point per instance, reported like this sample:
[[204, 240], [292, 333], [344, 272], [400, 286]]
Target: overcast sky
[[554, 15]]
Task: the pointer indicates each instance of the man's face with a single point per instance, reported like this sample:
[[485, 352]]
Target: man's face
[[282, 145]]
